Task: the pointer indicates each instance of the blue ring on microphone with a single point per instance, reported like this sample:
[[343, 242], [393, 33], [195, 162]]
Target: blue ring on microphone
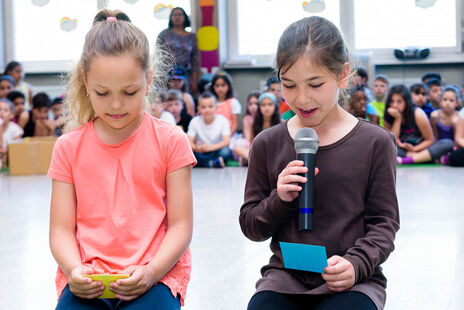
[[306, 210]]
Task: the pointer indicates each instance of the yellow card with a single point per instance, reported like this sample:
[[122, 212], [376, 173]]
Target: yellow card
[[106, 279]]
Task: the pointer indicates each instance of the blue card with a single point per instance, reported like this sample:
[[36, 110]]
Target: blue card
[[304, 256]]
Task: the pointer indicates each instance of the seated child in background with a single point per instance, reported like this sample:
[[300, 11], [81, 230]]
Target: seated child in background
[[227, 105], [19, 102], [361, 78], [157, 111], [358, 105], [434, 86], [35, 122], [444, 122], [175, 105], [209, 134], [273, 86], [9, 131], [15, 70], [380, 90], [177, 78], [6, 85], [456, 158], [58, 115], [266, 116], [419, 93]]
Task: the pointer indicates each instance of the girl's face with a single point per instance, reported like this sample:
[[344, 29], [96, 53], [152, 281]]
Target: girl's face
[[448, 101], [117, 87], [221, 88], [359, 104], [397, 102], [312, 92], [16, 73], [267, 107], [253, 105], [5, 113], [419, 97], [18, 106], [178, 18], [5, 88], [176, 84]]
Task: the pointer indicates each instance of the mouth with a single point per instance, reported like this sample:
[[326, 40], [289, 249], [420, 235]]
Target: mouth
[[116, 116], [307, 113]]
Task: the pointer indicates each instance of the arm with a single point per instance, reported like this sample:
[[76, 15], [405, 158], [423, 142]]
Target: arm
[[23, 119], [195, 62], [193, 144], [263, 211], [234, 127], [214, 147], [459, 135], [433, 123], [381, 215], [247, 128], [426, 130], [373, 118], [395, 128], [189, 105], [175, 243], [63, 241]]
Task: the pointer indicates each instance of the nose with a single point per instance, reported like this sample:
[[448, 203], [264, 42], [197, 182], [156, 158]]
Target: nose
[[301, 96], [116, 103]]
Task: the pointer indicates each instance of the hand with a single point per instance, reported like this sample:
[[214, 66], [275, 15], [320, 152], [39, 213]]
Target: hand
[[140, 281], [339, 274], [407, 146], [287, 187], [206, 148], [394, 113], [84, 287]]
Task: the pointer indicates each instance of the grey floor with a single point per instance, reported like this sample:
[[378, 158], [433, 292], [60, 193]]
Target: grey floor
[[424, 272]]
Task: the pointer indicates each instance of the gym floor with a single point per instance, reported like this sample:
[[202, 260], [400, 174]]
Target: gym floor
[[424, 272]]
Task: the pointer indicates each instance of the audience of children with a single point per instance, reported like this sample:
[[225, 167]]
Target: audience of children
[[456, 158], [209, 134], [227, 105], [358, 105], [177, 80], [15, 70], [267, 115], [380, 90], [35, 122], [7, 85], [175, 105], [9, 131], [58, 115]]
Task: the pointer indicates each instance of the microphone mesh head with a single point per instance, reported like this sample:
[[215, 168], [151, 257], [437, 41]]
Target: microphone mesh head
[[306, 141]]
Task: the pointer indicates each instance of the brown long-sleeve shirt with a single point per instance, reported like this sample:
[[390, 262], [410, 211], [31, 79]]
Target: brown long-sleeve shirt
[[355, 210]]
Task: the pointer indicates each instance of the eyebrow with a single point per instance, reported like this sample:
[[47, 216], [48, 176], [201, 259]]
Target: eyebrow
[[307, 80], [134, 84]]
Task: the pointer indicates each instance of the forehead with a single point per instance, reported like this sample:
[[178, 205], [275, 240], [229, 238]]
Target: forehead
[[206, 101], [266, 101], [121, 69], [4, 105], [380, 82], [5, 83], [303, 69], [449, 93]]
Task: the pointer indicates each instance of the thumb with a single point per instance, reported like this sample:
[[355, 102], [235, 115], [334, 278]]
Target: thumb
[[129, 270], [333, 260], [86, 270], [316, 171]]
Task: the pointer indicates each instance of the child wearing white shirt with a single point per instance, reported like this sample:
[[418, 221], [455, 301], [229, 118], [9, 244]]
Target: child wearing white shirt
[[9, 131], [209, 134]]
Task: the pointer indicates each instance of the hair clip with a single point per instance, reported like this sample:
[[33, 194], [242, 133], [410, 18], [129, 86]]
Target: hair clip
[[111, 18]]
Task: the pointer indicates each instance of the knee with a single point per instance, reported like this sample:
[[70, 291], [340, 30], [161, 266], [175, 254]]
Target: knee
[[225, 152]]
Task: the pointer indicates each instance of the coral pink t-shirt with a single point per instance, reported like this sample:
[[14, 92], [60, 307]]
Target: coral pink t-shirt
[[121, 196]]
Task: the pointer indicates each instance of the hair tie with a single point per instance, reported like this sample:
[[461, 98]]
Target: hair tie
[[111, 18]]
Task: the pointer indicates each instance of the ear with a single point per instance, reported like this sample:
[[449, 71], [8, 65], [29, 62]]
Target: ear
[[344, 76], [150, 76]]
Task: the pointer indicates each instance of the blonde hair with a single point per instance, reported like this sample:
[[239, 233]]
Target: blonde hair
[[110, 38]]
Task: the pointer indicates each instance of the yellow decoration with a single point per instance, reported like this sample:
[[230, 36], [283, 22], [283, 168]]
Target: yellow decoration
[[206, 3], [106, 279], [208, 38]]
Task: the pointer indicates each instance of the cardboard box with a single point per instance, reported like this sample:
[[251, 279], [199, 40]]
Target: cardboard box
[[31, 156]]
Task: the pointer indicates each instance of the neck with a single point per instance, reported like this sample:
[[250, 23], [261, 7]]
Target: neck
[[178, 118], [380, 98], [208, 120], [115, 136], [449, 113], [178, 28], [266, 122]]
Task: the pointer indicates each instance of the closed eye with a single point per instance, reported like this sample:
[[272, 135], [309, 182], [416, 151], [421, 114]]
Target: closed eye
[[130, 94], [101, 94], [288, 86], [316, 86]]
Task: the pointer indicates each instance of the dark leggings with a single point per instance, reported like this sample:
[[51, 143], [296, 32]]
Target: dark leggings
[[346, 300], [456, 158]]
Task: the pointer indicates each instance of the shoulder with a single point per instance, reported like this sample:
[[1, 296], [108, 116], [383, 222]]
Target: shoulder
[[419, 114], [374, 132], [220, 119], [434, 113], [164, 33], [71, 137], [272, 134]]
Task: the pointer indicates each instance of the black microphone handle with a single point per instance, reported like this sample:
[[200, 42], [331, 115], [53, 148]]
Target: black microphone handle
[[306, 196]]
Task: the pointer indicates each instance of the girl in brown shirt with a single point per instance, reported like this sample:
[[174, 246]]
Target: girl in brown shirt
[[355, 209]]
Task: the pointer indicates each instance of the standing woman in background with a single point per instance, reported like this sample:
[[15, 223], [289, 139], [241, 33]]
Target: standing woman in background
[[183, 45]]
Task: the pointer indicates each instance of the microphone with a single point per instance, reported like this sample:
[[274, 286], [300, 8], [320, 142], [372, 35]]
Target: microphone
[[306, 144]]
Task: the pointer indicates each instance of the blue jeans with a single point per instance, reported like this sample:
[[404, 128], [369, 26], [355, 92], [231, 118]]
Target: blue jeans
[[159, 297], [209, 159]]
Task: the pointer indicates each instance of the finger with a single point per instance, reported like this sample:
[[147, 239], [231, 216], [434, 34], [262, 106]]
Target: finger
[[333, 260], [295, 163], [316, 171], [87, 291], [290, 188], [81, 280], [293, 171], [89, 296], [289, 179]]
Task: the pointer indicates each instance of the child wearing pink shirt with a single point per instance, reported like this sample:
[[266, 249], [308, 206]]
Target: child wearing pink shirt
[[121, 192]]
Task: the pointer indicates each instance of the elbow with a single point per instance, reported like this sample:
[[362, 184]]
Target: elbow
[[250, 230]]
